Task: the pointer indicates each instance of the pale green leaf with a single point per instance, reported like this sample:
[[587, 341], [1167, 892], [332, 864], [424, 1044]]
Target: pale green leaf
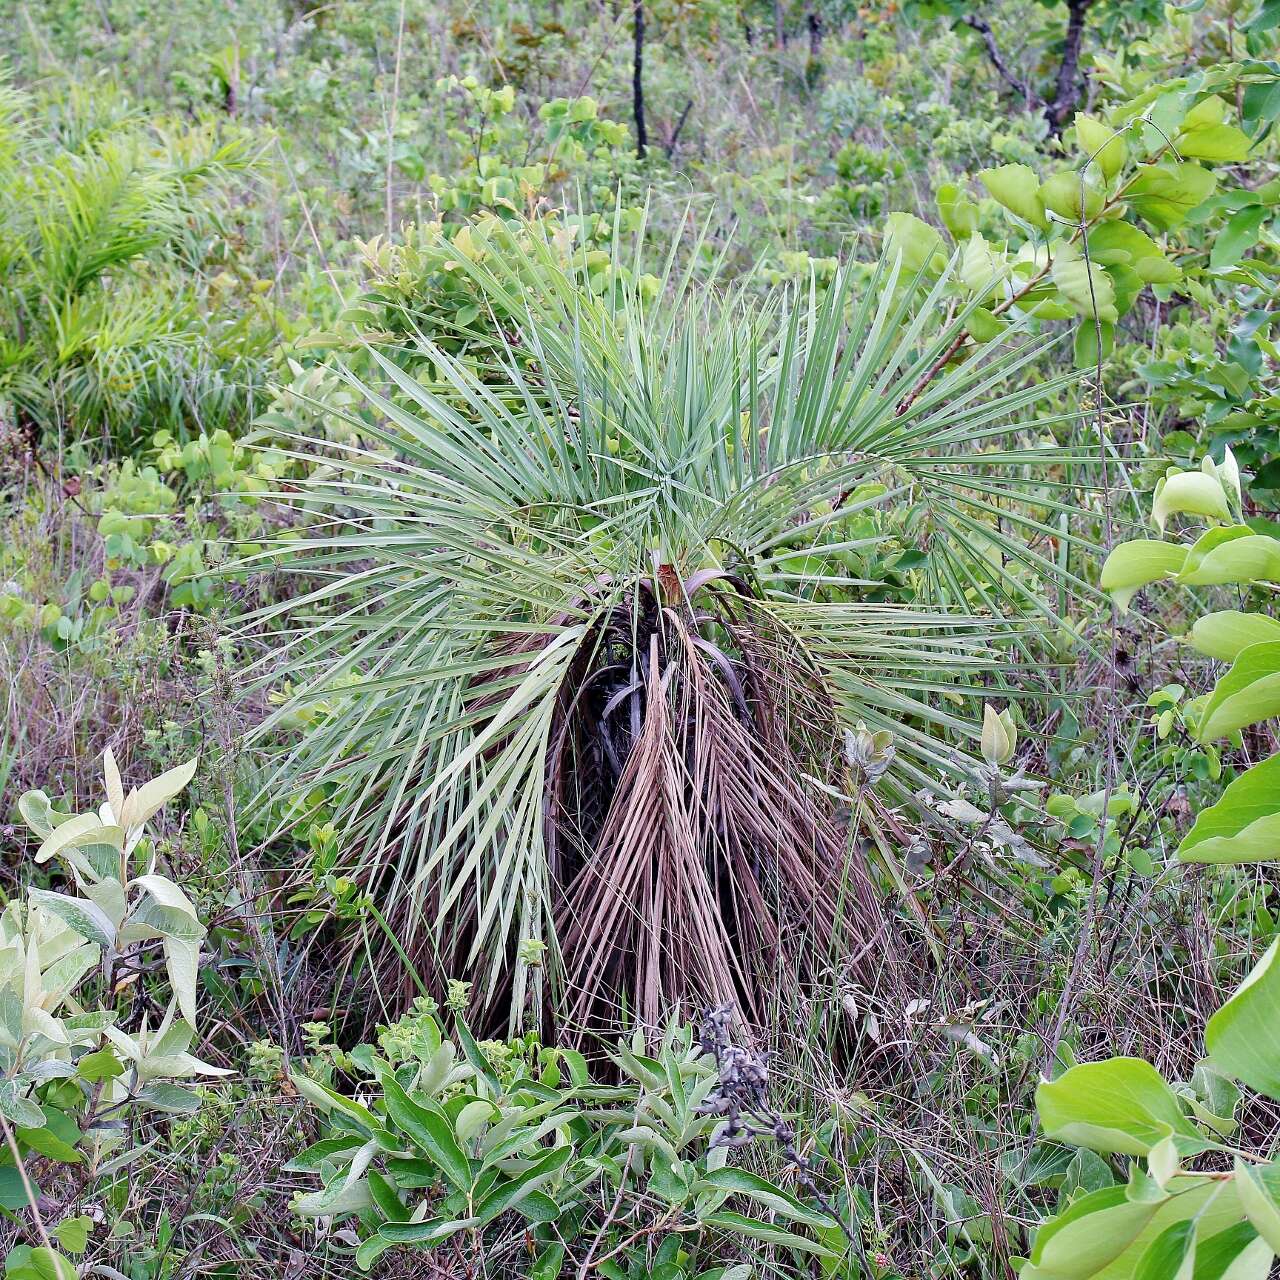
[[1248, 693], [1244, 825], [1255, 1187], [1243, 1038], [1120, 1105], [1017, 187], [1223, 634]]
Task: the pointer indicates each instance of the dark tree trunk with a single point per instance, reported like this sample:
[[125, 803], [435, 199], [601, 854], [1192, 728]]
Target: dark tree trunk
[[814, 22], [670, 148], [637, 80], [1067, 90], [1003, 70]]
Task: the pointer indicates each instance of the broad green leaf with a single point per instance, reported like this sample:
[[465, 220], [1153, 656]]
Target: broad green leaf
[[1220, 143], [959, 214], [1120, 1105], [13, 1191], [73, 1233], [1248, 693], [85, 828], [387, 1198], [476, 1113], [339, 1199], [1092, 1232], [1089, 291], [547, 1265], [1017, 187], [981, 268], [1085, 347], [1241, 233], [151, 798], [37, 812], [1238, 1253], [1243, 1037], [16, 1107], [318, 1154], [1222, 635], [538, 1207], [918, 243], [1106, 1233], [430, 1131], [1101, 144], [182, 963], [25, 1263], [85, 917], [1189, 493], [102, 1064], [1259, 1199], [172, 1099], [774, 1198], [1171, 1255], [45, 1142], [370, 1250], [982, 326], [431, 1232], [740, 1224], [1115, 243], [167, 894], [1072, 197], [1244, 824], [1243, 556], [328, 1100], [1163, 194], [506, 1195], [1135, 564]]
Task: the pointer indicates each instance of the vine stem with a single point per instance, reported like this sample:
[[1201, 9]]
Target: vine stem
[[1097, 870]]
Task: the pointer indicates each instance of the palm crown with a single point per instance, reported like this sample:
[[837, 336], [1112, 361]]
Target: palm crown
[[580, 637]]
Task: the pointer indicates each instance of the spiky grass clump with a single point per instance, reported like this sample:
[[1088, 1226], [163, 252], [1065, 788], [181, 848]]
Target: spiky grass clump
[[579, 641]]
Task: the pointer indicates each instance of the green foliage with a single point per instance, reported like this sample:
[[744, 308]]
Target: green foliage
[[450, 1146], [76, 1065], [101, 320], [1168, 1221], [666, 453]]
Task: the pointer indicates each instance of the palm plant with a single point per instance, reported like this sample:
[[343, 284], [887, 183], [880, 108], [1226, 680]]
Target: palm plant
[[577, 645], [101, 238]]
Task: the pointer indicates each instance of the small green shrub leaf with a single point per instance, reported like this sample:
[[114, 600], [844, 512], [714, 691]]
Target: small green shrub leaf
[[764, 1192], [1135, 564], [740, 1224], [1256, 1187], [13, 1191], [1017, 187], [1243, 1037], [1223, 634], [1244, 825], [1249, 692], [1086, 287], [1189, 493], [1122, 1105], [430, 1131], [1171, 1255]]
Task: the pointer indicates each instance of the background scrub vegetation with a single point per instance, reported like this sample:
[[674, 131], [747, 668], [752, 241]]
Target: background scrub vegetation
[[639, 639]]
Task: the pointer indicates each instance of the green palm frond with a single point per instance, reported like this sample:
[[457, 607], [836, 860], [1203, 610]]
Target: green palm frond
[[577, 644]]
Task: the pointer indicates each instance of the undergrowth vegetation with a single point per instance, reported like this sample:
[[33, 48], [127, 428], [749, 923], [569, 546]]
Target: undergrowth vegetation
[[639, 639]]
